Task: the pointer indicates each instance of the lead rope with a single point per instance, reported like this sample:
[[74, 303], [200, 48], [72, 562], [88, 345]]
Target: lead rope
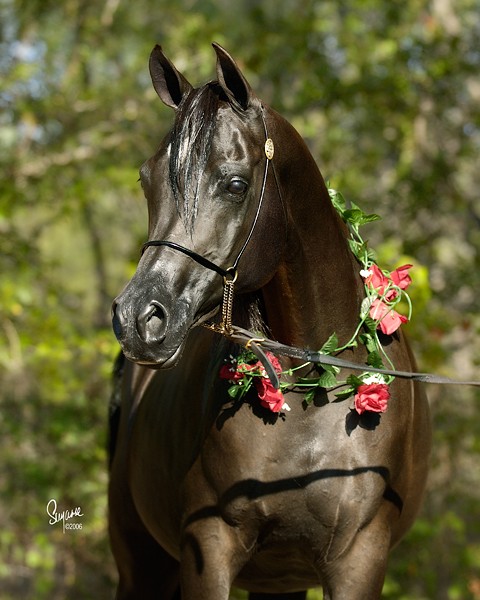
[[262, 345], [247, 339]]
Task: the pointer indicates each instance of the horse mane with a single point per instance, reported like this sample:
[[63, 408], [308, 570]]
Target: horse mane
[[190, 145]]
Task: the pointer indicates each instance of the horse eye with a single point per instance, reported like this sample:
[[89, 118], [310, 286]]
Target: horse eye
[[237, 187]]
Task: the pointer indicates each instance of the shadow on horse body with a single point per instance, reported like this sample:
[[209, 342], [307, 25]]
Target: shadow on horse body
[[207, 493]]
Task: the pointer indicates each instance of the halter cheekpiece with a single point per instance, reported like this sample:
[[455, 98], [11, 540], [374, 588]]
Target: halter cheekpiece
[[229, 274]]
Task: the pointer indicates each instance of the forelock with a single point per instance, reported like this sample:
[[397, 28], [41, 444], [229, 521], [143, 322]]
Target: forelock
[[190, 146]]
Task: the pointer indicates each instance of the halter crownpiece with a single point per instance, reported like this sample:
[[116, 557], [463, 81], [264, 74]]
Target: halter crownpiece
[[230, 274]]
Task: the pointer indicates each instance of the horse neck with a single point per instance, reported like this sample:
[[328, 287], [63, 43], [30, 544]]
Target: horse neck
[[316, 289]]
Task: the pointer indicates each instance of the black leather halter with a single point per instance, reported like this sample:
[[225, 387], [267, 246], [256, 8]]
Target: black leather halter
[[231, 272], [260, 346]]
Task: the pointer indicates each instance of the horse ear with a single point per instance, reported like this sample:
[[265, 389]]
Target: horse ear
[[169, 83], [231, 79]]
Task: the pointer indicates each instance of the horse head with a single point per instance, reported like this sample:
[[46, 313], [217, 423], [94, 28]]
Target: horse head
[[214, 211]]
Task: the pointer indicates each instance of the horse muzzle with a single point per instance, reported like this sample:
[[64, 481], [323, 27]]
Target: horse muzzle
[[144, 330], [152, 326]]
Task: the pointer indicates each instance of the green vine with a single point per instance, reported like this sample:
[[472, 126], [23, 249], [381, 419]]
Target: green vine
[[383, 292]]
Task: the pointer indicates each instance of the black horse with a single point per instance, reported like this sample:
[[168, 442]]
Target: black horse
[[206, 491]]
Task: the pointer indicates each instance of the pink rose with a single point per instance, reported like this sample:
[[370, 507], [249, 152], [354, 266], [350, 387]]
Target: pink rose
[[372, 397], [270, 397], [389, 319], [400, 277], [377, 280]]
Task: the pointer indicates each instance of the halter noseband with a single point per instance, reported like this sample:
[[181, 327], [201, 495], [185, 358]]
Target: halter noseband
[[230, 274]]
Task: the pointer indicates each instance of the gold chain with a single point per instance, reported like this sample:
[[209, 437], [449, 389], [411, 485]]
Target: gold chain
[[225, 326], [227, 305]]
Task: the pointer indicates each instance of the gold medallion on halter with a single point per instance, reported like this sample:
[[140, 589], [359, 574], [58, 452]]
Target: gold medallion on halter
[[269, 148]]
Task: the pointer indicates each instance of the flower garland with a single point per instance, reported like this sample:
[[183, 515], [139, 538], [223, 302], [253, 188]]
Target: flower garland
[[384, 290], [246, 370]]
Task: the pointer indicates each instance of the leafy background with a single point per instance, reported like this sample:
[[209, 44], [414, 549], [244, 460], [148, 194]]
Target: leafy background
[[387, 95]]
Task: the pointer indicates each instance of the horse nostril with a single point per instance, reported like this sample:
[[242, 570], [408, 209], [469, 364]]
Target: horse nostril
[[152, 323], [116, 322]]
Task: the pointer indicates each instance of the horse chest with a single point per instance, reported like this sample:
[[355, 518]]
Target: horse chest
[[276, 487], [273, 487]]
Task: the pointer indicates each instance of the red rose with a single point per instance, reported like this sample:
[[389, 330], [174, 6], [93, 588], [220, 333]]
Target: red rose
[[401, 278], [229, 372], [389, 319], [270, 397], [277, 367], [372, 397], [244, 368], [234, 372]]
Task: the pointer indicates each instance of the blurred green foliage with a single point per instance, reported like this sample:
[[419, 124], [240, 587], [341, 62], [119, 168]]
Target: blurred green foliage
[[386, 94]]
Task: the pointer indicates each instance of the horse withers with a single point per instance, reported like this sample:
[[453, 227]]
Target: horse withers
[[207, 490]]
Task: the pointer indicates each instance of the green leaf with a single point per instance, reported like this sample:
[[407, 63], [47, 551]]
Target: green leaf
[[375, 360], [327, 380], [358, 249], [369, 218], [234, 391], [338, 201], [371, 255], [309, 396], [362, 251], [370, 324], [354, 381], [369, 341], [247, 356], [331, 369], [354, 216], [330, 345], [365, 307], [345, 393], [354, 248]]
